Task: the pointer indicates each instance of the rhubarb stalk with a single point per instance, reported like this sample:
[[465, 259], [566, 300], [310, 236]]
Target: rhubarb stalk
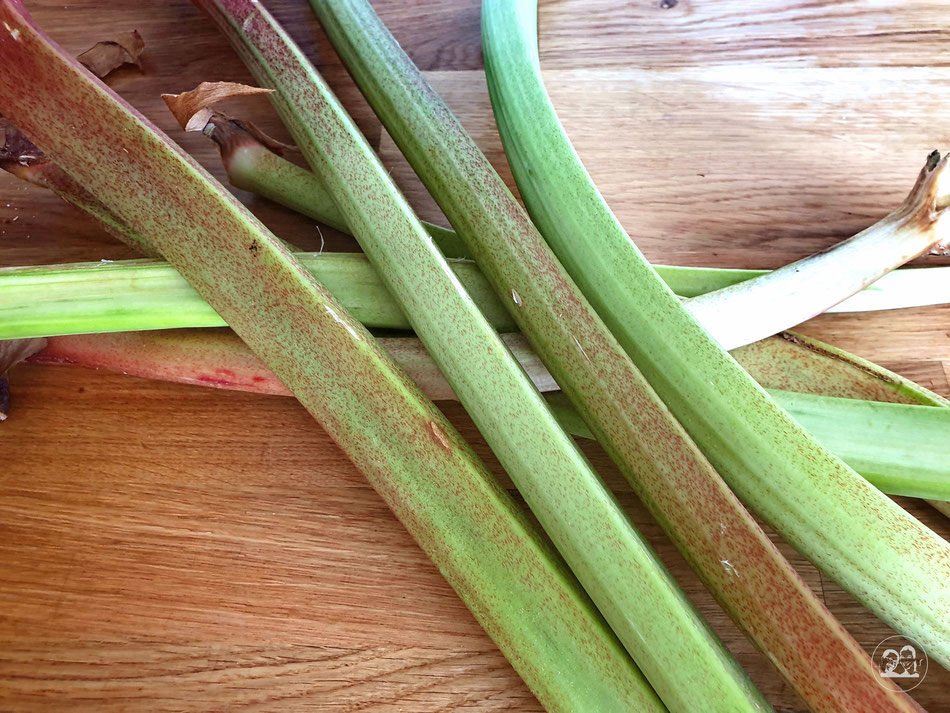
[[253, 167], [760, 307]]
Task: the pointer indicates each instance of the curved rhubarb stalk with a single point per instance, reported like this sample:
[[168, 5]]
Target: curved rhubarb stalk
[[834, 517], [696, 508], [515, 585]]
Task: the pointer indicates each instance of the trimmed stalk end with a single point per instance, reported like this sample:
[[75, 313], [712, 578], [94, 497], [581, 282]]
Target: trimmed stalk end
[[926, 204], [231, 137]]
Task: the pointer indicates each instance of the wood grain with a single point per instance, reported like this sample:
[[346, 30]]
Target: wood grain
[[167, 548]]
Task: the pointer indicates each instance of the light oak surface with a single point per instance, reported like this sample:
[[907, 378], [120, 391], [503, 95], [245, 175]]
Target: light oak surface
[[171, 548]]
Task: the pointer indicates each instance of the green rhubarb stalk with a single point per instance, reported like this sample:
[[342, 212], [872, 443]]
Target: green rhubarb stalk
[[254, 167], [901, 449], [134, 295], [813, 367], [51, 300], [678, 653], [868, 544], [719, 538], [516, 586]]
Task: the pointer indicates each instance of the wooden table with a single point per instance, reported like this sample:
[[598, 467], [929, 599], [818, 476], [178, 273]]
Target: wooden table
[[171, 548]]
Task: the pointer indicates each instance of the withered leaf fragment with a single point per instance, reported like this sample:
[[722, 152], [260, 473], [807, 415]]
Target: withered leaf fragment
[[105, 56], [194, 109]]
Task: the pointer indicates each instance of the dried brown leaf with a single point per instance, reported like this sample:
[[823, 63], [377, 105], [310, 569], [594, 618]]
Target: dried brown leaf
[[193, 109], [103, 57]]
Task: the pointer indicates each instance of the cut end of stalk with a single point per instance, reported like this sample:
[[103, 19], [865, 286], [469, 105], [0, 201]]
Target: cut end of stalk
[[925, 198], [924, 209], [231, 135], [926, 204]]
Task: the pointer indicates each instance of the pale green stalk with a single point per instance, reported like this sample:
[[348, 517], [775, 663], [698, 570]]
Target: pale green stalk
[[106, 296], [679, 655], [134, 295], [868, 544]]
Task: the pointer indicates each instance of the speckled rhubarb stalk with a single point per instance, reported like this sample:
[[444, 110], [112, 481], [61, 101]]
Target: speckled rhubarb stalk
[[873, 548], [902, 449], [679, 655], [701, 514], [516, 586], [795, 362]]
